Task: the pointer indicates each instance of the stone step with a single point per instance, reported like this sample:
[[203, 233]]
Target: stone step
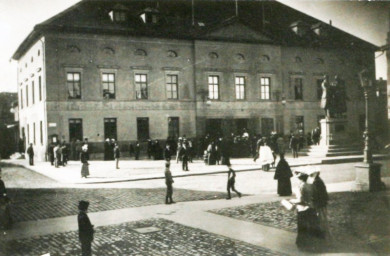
[[333, 154]]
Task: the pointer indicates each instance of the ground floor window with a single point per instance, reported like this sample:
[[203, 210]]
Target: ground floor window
[[41, 132], [75, 129], [142, 128], [173, 127], [110, 128]]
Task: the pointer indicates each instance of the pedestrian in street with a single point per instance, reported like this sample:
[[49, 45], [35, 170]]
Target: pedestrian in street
[[307, 219], [184, 156], [136, 150], [5, 214], [231, 182], [168, 181], [283, 174], [178, 149], [149, 148], [116, 155], [167, 152], [294, 144], [265, 156], [64, 154], [84, 157], [57, 156], [30, 153], [320, 200], [86, 230], [50, 152]]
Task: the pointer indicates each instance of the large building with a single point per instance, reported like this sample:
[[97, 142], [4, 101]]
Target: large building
[[133, 70]]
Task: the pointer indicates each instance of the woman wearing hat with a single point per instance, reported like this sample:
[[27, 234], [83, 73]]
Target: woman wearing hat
[[307, 216], [84, 157]]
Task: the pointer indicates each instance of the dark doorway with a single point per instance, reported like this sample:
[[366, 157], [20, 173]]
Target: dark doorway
[[142, 128], [267, 126], [75, 129], [214, 127], [110, 128], [173, 127], [241, 125]]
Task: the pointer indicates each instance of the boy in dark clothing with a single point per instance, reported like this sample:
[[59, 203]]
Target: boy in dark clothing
[[168, 181], [85, 229], [230, 183]]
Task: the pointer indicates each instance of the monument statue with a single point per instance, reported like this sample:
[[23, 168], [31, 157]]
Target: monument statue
[[333, 99]]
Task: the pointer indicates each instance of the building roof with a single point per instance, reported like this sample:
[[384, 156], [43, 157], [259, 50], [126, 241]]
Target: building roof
[[257, 22]]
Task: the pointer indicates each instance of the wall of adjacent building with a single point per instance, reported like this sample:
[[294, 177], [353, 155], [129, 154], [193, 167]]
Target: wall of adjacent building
[[31, 69]]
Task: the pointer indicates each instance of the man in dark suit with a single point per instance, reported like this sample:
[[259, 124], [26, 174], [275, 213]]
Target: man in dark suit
[[30, 153], [85, 229], [136, 150], [231, 182]]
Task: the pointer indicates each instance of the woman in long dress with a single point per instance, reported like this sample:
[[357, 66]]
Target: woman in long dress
[[265, 156], [307, 217], [84, 157], [283, 174]]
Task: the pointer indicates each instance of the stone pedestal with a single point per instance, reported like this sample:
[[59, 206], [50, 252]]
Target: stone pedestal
[[368, 177], [333, 131]]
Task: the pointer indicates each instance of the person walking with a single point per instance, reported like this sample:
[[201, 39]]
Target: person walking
[[265, 156], [167, 152], [30, 153], [168, 181], [84, 157], [50, 152], [116, 155], [56, 155], [283, 174], [231, 182], [86, 230]]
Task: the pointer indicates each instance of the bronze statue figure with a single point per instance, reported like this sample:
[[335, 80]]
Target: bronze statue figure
[[333, 99]]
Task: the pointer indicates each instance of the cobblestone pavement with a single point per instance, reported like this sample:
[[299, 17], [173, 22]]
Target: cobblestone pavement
[[171, 239], [358, 214], [35, 204]]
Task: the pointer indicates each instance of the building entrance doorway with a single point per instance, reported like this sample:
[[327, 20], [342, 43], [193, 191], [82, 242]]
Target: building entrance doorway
[[110, 128], [241, 125], [214, 127], [75, 129]]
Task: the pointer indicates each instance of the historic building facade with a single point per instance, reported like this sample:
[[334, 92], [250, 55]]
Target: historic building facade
[[133, 70]]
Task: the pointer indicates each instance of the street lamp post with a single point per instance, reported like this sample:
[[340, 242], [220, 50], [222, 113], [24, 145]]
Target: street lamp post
[[368, 176]]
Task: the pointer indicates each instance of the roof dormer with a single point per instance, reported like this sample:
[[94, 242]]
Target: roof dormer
[[150, 16], [118, 13], [300, 28]]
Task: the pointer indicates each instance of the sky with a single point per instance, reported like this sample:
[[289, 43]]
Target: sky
[[366, 20]]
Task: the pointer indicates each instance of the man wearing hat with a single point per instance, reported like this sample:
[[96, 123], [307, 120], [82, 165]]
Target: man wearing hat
[[85, 229], [30, 153]]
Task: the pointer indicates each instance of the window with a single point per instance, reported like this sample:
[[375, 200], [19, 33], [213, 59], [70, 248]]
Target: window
[[75, 129], [213, 87], [173, 127], [141, 86], [142, 128], [319, 89], [298, 88], [33, 92], [40, 87], [265, 88], [41, 132], [21, 98], [73, 82], [240, 87], [119, 16], [34, 133], [26, 95], [110, 128], [172, 87], [108, 80]]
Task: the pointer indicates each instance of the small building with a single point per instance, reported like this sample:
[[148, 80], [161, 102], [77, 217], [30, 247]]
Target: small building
[[132, 70]]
